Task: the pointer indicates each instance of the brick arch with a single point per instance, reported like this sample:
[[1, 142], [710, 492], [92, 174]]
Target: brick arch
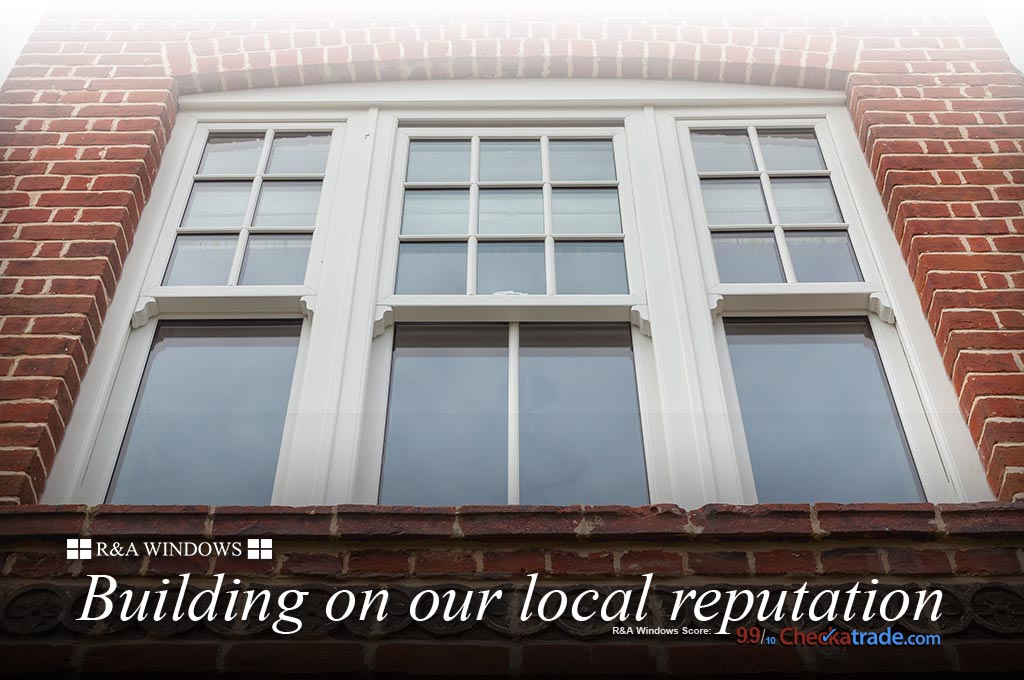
[[788, 57], [86, 113]]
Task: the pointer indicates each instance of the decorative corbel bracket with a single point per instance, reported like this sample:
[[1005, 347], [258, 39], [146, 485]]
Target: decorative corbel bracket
[[878, 303], [145, 309], [640, 317], [384, 317], [308, 303], [716, 303]]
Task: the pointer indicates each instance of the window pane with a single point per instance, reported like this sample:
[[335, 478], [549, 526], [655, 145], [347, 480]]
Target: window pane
[[231, 155], [722, 151], [288, 204], [580, 438], [585, 211], [590, 267], [744, 257], [790, 150], [438, 161], [275, 259], [431, 268], [503, 267], [806, 200], [822, 256], [208, 419], [200, 260], [506, 160], [818, 414], [581, 159], [734, 201], [217, 204], [511, 211], [446, 441], [302, 153], [428, 211]]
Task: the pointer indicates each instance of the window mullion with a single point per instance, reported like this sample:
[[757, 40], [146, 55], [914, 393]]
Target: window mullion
[[773, 212], [250, 211], [549, 241], [513, 413]]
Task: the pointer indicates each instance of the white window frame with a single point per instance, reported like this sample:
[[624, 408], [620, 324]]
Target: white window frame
[[333, 440]]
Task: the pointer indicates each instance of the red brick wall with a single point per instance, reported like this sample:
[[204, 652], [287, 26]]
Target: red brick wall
[[86, 113], [768, 545]]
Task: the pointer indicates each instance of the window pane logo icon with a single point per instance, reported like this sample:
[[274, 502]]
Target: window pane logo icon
[[261, 549], [79, 548]]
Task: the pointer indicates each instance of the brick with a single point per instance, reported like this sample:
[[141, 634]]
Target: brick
[[987, 562], [877, 519], [725, 563], [748, 521], [142, 656], [247, 521], [851, 561], [442, 659], [786, 562], [285, 657], [139, 521]]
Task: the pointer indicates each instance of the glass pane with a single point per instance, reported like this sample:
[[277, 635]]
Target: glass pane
[[446, 441], [722, 151], [200, 260], [585, 211], [431, 268], [734, 201], [806, 200], [208, 419], [579, 436], [428, 211], [590, 267], [231, 155], [438, 161], [508, 160], [822, 256], [511, 211], [217, 204], [818, 414], [275, 259], [507, 267], [302, 153], [287, 204], [790, 150], [745, 257], [581, 160]]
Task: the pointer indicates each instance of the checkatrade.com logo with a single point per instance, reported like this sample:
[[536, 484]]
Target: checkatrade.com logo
[[89, 548]]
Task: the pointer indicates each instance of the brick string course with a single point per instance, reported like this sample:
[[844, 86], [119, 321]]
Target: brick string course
[[745, 546], [86, 113]]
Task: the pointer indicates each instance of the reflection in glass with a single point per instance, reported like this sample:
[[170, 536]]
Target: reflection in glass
[[217, 204], [429, 211], [747, 257], [275, 259], [590, 267], [200, 260], [431, 269], [722, 151], [819, 418], [509, 160], [734, 201], [438, 161], [585, 211], [299, 153], [511, 211], [581, 160], [207, 423], [231, 155], [790, 150], [287, 204], [580, 439], [806, 200], [822, 256], [510, 267], [446, 439]]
